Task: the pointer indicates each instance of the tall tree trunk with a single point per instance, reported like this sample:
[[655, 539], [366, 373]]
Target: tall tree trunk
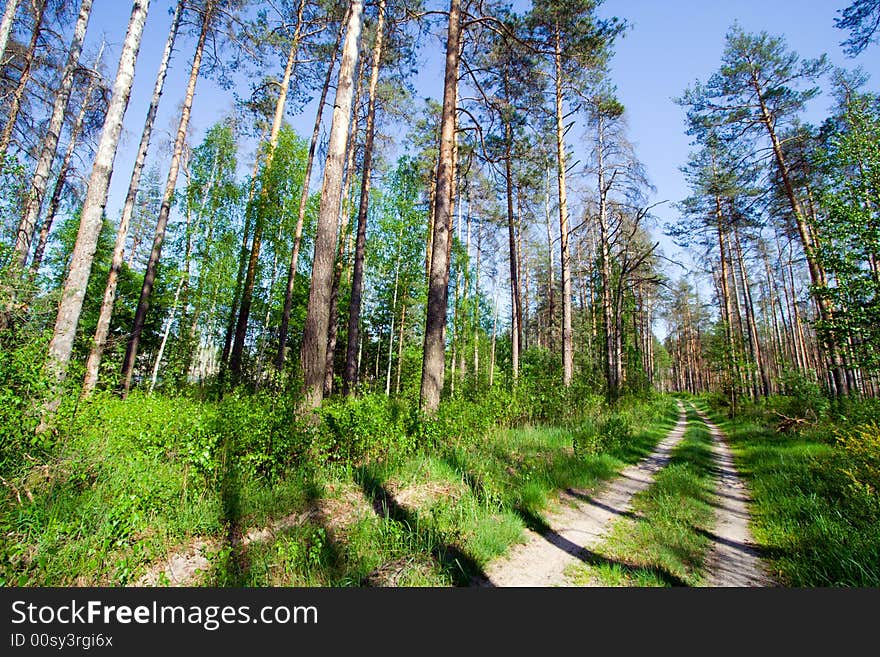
[[258, 379], [725, 294], [494, 334], [605, 264], [800, 347], [564, 256], [551, 283], [462, 365], [344, 238], [400, 330], [6, 26], [753, 328], [523, 268], [516, 330], [303, 202], [357, 279], [314, 345], [24, 77], [429, 241], [165, 209], [243, 257], [433, 361], [165, 333], [253, 262], [60, 181], [93, 362], [745, 373], [750, 334], [456, 308], [391, 329], [476, 302], [92, 213], [770, 311], [50, 142]]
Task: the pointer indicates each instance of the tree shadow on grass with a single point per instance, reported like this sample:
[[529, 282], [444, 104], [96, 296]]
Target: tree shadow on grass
[[459, 566], [233, 566], [537, 524]]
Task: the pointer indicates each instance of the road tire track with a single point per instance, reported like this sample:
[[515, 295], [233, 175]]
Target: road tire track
[[580, 524], [734, 559]]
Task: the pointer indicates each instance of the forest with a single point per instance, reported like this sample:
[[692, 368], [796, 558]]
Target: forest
[[353, 335]]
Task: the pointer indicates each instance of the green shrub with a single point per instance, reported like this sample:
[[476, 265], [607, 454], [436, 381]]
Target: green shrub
[[860, 447], [802, 398], [358, 428], [616, 432], [592, 437], [23, 384]]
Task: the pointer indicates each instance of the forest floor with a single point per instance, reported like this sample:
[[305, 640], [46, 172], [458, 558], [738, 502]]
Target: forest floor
[[568, 537], [575, 531]]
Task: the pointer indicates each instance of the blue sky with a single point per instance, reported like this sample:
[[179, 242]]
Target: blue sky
[[671, 44]]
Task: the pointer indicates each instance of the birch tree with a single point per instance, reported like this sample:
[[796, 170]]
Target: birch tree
[[74, 289], [208, 14], [94, 360], [53, 133]]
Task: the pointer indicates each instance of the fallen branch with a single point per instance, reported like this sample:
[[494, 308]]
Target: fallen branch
[[787, 422]]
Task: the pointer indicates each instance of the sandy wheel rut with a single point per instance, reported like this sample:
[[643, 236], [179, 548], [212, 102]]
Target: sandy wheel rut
[[733, 559], [580, 523], [583, 521]]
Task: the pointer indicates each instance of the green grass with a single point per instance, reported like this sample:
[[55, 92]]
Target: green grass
[[816, 527], [443, 514], [663, 542], [121, 494]]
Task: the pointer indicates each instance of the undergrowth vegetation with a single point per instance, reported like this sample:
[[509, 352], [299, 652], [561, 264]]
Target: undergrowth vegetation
[[119, 485]]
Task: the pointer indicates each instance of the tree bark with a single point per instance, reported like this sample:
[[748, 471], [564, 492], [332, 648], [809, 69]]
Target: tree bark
[[165, 209], [6, 25], [303, 202], [433, 361], [165, 332], [60, 181], [476, 303], [494, 333], [551, 283], [357, 279], [344, 237], [391, 328], [93, 362], [753, 329], [564, 256], [400, 331], [92, 214], [725, 294], [516, 331], [314, 345], [50, 143], [243, 257], [605, 264]]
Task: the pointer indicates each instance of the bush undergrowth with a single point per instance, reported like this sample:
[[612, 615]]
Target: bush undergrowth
[[118, 484]]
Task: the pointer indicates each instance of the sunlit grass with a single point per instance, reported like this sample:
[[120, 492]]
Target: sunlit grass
[[115, 504], [813, 527]]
